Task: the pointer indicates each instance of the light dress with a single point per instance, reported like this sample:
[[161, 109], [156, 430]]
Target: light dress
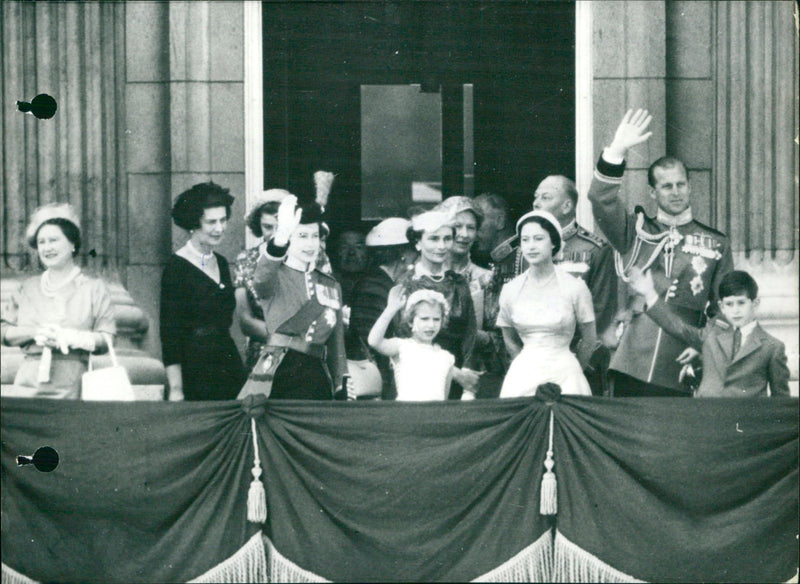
[[545, 319], [420, 371]]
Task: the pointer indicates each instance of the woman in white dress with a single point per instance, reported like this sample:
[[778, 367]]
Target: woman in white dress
[[539, 311]]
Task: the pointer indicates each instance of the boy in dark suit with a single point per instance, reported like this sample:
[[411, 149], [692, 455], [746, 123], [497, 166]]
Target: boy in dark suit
[[740, 359]]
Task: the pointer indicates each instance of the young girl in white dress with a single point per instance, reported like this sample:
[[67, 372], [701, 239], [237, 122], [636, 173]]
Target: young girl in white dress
[[422, 369], [539, 311]]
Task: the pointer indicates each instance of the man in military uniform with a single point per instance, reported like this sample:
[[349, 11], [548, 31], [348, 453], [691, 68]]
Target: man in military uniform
[[582, 254], [680, 251]]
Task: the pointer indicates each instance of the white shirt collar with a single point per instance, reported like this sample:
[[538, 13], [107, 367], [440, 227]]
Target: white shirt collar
[[747, 329], [681, 218]]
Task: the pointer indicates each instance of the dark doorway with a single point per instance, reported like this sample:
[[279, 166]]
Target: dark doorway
[[519, 58]]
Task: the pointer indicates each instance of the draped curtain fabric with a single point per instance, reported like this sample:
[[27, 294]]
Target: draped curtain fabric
[[75, 53], [678, 490]]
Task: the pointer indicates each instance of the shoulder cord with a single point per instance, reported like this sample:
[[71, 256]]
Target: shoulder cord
[[660, 240]]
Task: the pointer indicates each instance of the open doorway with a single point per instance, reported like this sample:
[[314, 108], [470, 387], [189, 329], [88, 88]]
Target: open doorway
[[502, 74]]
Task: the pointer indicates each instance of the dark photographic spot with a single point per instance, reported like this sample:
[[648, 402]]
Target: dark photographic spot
[[42, 106], [45, 459]]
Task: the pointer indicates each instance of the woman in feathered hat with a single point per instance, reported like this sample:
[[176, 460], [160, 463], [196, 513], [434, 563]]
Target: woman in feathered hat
[[197, 302], [261, 220], [59, 316], [303, 357]]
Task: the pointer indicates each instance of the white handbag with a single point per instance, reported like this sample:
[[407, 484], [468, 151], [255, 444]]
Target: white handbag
[[107, 384]]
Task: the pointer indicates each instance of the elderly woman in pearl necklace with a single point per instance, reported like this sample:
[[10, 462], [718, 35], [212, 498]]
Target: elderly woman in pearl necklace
[[59, 316]]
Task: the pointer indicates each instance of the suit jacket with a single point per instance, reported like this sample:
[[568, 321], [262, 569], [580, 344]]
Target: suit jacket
[[700, 258], [761, 360]]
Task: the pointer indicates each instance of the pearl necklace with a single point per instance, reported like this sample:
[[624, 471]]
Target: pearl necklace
[[51, 290]]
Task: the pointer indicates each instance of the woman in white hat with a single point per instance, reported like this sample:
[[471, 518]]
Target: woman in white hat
[[432, 233], [57, 317], [389, 256], [539, 310]]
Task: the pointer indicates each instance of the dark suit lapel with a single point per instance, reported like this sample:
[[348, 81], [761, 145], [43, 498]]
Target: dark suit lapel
[[725, 341], [752, 343]]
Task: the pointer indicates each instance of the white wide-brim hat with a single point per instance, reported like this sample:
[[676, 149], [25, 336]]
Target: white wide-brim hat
[[391, 231]]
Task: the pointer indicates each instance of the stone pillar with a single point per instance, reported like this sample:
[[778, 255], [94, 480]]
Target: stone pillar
[[629, 65], [756, 154], [206, 122]]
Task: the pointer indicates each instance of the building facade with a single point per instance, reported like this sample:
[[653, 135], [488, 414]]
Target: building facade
[[154, 97]]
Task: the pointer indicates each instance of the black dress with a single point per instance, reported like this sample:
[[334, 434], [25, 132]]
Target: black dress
[[196, 317]]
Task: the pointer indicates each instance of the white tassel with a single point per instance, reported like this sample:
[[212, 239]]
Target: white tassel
[[282, 569], [532, 564], [248, 564], [548, 503], [323, 181], [11, 576], [574, 564], [256, 497]]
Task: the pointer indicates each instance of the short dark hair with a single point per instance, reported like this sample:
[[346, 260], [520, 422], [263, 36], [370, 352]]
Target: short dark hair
[[68, 228], [664, 162], [191, 204], [738, 283], [253, 220], [555, 238]]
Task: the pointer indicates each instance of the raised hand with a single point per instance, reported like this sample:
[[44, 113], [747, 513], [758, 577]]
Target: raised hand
[[631, 131], [288, 219], [397, 299]]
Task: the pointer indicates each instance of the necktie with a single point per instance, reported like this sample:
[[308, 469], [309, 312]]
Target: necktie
[[737, 341]]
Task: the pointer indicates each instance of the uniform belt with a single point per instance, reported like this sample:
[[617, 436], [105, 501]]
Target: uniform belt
[[296, 344]]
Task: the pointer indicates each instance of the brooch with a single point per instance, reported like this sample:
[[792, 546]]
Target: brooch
[[699, 265], [696, 285]]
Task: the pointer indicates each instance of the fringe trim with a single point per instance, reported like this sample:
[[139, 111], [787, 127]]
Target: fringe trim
[[574, 564], [249, 564], [533, 564], [11, 576], [282, 569]]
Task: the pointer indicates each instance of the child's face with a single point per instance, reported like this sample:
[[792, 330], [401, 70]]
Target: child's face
[[427, 322], [738, 310]]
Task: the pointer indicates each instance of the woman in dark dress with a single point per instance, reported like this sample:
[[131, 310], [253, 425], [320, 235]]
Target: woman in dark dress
[[197, 302]]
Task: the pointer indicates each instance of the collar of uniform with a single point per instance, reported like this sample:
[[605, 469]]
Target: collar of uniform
[[298, 265], [569, 229], [674, 220]]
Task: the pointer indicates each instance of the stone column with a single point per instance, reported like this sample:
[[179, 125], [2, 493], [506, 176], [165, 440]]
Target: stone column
[[629, 72], [75, 53], [756, 154]]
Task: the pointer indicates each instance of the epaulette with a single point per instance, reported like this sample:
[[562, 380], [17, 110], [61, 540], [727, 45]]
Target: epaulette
[[589, 236], [711, 229], [722, 324], [505, 249], [329, 277]]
